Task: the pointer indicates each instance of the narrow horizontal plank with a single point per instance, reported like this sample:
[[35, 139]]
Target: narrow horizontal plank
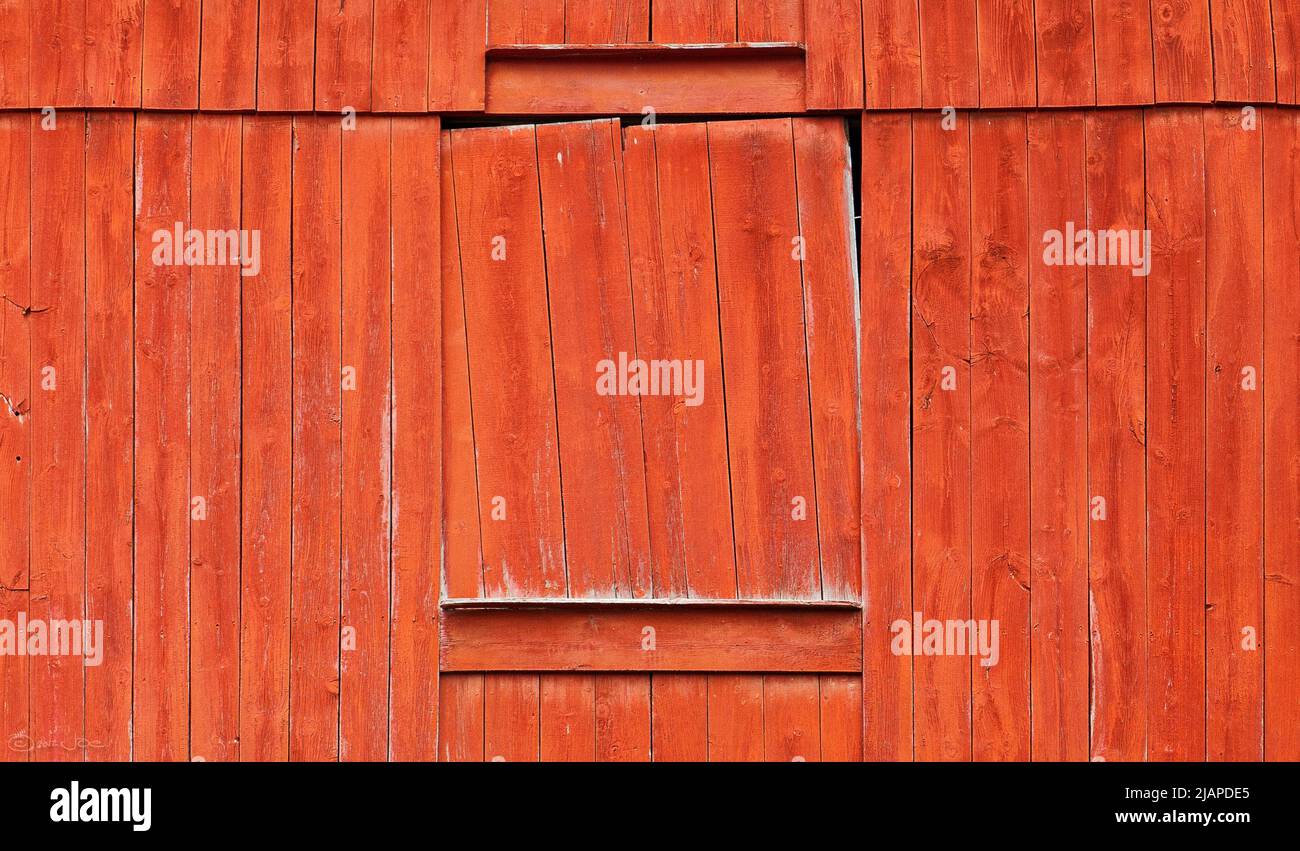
[[668, 82], [641, 603], [652, 638], [625, 51]]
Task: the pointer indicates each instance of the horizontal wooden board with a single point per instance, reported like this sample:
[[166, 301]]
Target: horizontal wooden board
[[652, 638], [676, 81]]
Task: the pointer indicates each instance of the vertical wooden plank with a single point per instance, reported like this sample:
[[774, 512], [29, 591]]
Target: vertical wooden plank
[[159, 722], [214, 448], [601, 454], [15, 348], [15, 53], [344, 36], [694, 22], [286, 43], [1286, 48], [1180, 31], [769, 20], [825, 203], [417, 434], [367, 440], [460, 718], [606, 21], [568, 718], [401, 55], [1000, 435], [1176, 434], [735, 718], [941, 391], [1242, 37], [1006, 53], [1122, 33], [679, 723], [228, 55], [891, 50], [317, 439], [887, 448], [525, 22], [504, 280], [833, 72], [674, 291], [623, 718], [949, 55], [114, 41], [57, 75], [511, 705], [457, 56], [110, 425], [1234, 474], [1058, 444], [1117, 601], [462, 556], [791, 718], [15, 731], [170, 68], [267, 522], [841, 718], [58, 363], [1066, 70], [1281, 439], [764, 358]]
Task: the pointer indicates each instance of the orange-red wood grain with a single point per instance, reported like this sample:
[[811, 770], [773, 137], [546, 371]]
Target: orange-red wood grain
[[110, 141], [462, 554], [286, 42], [160, 717], [15, 348], [1234, 466], [674, 292], [318, 482], [228, 55], [367, 441], [1117, 493], [1281, 440], [58, 442], [941, 427], [824, 179], [602, 468], [169, 75], [267, 455], [1006, 53], [1058, 446], [1121, 32], [887, 445], [344, 54], [507, 329], [1065, 52], [1000, 423], [1176, 448], [765, 358], [215, 447], [416, 436]]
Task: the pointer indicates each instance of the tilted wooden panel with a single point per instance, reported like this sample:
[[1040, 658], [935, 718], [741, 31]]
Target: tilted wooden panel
[[772, 463]]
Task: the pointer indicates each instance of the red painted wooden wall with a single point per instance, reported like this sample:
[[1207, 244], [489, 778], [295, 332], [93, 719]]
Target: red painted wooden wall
[[366, 503]]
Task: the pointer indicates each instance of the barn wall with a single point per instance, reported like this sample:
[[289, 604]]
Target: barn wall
[[242, 476]]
